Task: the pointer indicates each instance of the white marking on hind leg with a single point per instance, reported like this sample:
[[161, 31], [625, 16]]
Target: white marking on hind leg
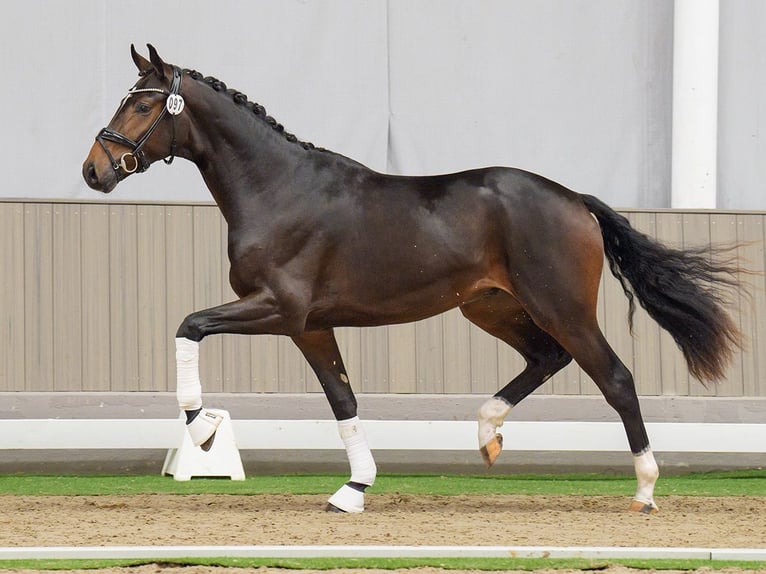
[[491, 416], [647, 473]]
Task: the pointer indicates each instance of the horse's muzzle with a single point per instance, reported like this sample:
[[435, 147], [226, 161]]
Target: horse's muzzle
[[104, 183]]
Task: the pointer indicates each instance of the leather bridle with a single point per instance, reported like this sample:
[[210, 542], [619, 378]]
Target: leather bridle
[[173, 105]]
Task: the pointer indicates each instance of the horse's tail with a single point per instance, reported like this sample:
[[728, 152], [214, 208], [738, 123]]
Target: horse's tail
[[683, 290]]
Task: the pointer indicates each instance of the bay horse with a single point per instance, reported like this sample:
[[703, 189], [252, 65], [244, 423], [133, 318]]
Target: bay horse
[[318, 241]]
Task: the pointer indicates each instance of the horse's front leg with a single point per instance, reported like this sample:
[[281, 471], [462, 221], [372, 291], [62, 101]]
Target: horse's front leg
[[201, 423], [321, 351], [254, 314]]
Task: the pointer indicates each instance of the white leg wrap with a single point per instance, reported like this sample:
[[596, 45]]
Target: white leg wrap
[[491, 416], [188, 386], [647, 473], [363, 469]]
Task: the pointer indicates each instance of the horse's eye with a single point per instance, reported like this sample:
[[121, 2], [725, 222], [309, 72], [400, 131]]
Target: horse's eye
[[142, 108]]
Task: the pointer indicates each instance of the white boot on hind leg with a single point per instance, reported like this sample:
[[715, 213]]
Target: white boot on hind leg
[[350, 496]]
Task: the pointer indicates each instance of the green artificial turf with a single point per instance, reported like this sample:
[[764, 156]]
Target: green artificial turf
[[735, 483]]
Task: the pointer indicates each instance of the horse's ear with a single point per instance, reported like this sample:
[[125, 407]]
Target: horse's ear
[[141, 63], [157, 63]]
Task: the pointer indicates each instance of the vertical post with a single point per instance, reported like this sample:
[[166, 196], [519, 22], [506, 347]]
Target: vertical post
[[695, 103]]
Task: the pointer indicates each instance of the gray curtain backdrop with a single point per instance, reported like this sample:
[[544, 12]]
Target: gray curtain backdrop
[[577, 90]]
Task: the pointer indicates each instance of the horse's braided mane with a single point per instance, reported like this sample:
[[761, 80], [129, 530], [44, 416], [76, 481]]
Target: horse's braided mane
[[257, 109]]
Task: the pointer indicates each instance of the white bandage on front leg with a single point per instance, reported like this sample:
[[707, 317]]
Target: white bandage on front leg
[[491, 416], [203, 426], [188, 386], [350, 496], [363, 469]]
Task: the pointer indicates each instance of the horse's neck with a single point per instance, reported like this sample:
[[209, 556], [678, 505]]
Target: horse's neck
[[243, 160]]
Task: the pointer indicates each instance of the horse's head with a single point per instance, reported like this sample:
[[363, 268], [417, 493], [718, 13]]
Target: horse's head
[[142, 130]]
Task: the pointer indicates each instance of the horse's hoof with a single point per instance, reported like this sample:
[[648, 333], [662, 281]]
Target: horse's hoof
[[208, 444], [643, 507], [332, 508], [202, 428], [491, 450], [346, 499]]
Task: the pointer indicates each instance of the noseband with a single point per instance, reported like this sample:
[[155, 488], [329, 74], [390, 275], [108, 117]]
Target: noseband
[[135, 160]]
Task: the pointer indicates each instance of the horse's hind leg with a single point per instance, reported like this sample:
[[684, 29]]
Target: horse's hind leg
[[502, 316], [321, 351], [581, 336], [592, 352]]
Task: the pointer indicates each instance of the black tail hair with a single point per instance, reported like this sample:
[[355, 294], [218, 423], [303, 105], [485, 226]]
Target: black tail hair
[[684, 290]]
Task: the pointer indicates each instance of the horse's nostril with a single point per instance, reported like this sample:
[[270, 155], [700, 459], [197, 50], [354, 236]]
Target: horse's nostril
[[90, 174]]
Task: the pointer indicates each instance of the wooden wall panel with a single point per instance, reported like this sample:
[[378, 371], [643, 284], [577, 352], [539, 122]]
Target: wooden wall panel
[[96, 319], [179, 277], [375, 354], [12, 297], [153, 333], [264, 352], [67, 302], [91, 296], [457, 352], [38, 297], [123, 297], [402, 358], [751, 230], [429, 355]]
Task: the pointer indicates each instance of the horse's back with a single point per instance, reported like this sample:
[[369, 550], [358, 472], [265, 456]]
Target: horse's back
[[501, 206], [492, 227]]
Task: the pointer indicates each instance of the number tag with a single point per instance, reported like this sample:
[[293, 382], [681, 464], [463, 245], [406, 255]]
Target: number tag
[[175, 104]]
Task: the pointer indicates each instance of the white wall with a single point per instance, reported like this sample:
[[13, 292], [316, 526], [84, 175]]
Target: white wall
[[742, 105], [578, 90]]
